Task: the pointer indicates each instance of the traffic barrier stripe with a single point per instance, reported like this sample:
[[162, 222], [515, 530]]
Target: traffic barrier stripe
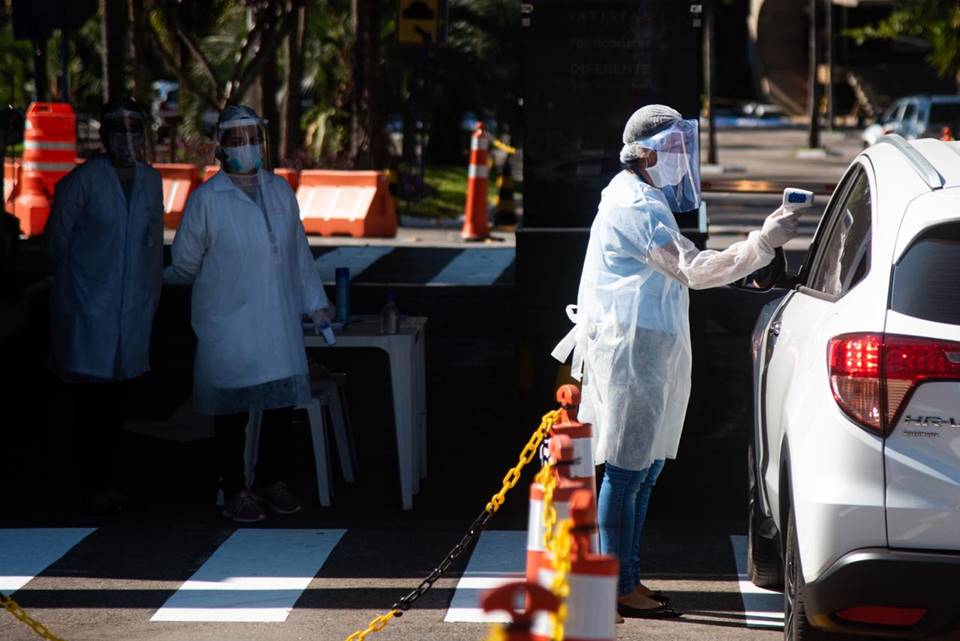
[[179, 180]]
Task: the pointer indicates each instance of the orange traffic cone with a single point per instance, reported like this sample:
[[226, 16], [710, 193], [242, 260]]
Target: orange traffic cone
[[475, 223], [506, 598]]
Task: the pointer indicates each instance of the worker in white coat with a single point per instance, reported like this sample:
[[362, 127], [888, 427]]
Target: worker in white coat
[[105, 240], [631, 341], [242, 246]]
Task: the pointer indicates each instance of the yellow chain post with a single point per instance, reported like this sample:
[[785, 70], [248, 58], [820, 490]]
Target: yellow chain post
[[14, 608], [502, 146], [510, 481]]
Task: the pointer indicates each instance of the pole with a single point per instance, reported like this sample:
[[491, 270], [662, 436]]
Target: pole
[[813, 88], [40, 88], [708, 81], [64, 65], [828, 31]]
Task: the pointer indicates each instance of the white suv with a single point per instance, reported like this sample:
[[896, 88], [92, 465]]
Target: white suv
[[855, 455]]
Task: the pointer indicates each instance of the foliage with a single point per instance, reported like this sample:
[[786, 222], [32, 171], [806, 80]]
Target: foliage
[[935, 21]]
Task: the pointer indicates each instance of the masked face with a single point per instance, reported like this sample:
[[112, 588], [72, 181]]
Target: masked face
[[125, 147], [243, 159], [672, 164]]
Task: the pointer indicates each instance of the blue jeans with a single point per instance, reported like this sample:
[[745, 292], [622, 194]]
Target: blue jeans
[[622, 509]]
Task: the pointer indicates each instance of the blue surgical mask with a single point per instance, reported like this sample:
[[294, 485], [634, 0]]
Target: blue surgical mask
[[243, 159]]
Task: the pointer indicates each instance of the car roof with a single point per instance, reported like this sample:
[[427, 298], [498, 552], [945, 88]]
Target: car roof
[[936, 162]]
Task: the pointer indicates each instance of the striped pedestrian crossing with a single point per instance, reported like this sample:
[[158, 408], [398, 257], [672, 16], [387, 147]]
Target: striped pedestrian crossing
[[255, 575], [260, 575], [430, 267]]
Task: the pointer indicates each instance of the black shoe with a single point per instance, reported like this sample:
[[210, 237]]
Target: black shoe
[[663, 612], [660, 596]]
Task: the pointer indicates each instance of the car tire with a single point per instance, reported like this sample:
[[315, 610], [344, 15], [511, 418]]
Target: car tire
[[764, 563], [796, 627]]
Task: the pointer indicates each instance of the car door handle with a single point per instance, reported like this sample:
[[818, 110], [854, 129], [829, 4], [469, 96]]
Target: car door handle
[[775, 328]]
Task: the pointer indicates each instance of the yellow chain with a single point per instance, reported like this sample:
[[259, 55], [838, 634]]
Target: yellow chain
[[14, 608], [502, 146], [376, 625], [497, 633], [560, 558], [509, 482], [526, 455]]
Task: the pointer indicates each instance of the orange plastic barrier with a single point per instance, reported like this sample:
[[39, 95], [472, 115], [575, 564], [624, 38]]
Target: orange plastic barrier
[[179, 179], [346, 203], [11, 180], [49, 150]]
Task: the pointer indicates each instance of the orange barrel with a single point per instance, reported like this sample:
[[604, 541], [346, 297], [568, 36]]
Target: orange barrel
[[11, 183], [592, 601], [49, 150]]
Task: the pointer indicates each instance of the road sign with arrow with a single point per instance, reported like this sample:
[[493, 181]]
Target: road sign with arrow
[[420, 22]]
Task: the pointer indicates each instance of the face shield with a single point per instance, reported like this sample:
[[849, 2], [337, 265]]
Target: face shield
[[676, 171], [243, 145], [124, 137]]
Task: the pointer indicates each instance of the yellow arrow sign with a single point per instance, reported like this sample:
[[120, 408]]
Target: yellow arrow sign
[[418, 22]]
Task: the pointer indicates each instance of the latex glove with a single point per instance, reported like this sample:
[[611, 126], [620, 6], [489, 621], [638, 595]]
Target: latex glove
[[780, 227]]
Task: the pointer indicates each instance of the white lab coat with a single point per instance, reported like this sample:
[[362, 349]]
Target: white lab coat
[[249, 294], [108, 261], [631, 342]]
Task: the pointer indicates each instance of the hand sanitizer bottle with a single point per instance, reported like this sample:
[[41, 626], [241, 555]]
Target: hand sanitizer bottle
[[389, 316]]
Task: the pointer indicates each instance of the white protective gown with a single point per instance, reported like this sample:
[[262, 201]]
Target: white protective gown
[[108, 261], [253, 279], [631, 342]]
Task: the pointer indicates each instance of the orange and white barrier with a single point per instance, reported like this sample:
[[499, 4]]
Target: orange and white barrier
[[580, 434], [179, 179], [49, 152], [506, 597], [346, 203], [476, 225], [592, 600]]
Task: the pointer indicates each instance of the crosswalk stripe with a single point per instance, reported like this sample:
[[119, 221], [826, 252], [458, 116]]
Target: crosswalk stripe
[[475, 267], [762, 608], [356, 259], [26, 552], [255, 575], [499, 557]]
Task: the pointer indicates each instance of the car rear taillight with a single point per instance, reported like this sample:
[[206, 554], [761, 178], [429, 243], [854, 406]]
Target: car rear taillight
[[873, 375]]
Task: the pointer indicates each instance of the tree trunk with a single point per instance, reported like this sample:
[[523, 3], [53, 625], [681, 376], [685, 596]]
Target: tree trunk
[[41, 84], [138, 32], [292, 137], [368, 139], [813, 90], [113, 28], [270, 113]]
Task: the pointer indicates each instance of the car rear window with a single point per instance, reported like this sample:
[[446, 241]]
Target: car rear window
[[926, 280], [945, 113]]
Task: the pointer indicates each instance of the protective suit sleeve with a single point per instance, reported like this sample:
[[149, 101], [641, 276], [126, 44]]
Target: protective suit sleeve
[[189, 245], [314, 297], [66, 211], [675, 255]]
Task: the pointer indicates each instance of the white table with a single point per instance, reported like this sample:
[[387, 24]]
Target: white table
[[407, 357]]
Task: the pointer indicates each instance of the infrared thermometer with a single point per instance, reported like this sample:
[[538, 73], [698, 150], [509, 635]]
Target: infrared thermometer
[[794, 199]]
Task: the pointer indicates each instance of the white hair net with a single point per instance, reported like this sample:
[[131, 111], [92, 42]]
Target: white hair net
[[644, 123]]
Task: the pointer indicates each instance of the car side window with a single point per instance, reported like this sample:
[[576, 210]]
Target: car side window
[[845, 256], [910, 113]]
